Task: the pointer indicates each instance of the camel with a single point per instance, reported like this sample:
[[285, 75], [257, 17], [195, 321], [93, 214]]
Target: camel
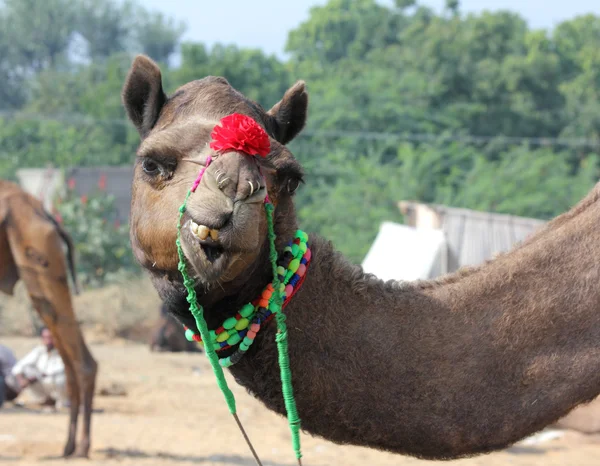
[[31, 249], [458, 366], [168, 336]]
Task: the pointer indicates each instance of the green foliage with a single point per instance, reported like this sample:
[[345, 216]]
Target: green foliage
[[104, 26], [39, 32], [342, 28], [39, 143], [404, 3], [530, 183], [102, 245], [453, 6], [259, 77], [157, 36], [405, 103]]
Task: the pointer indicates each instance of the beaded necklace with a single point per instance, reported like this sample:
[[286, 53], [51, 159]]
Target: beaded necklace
[[242, 328], [242, 134]]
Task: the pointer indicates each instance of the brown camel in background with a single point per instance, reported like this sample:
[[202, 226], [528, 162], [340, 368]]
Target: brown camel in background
[[462, 365], [31, 250], [168, 335]]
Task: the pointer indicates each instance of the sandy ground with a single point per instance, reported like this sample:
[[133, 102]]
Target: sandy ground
[[173, 413]]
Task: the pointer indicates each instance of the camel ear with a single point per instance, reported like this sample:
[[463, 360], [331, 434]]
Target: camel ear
[[143, 95], [288, 116]]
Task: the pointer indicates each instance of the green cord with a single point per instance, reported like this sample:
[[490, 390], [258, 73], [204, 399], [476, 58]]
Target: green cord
[[198, 314], [282, 344], [281, 338]]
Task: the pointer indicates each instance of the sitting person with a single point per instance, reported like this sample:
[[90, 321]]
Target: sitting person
[[42, 372], [7, 362]]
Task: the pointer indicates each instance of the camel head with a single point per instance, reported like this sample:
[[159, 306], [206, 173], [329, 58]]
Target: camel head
[[224, 228]]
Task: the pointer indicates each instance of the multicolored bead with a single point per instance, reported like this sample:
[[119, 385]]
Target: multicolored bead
[[229, 323], [247, 310], [189, 334], [242, 324], [234, 339], [302, 236], [223, 337]]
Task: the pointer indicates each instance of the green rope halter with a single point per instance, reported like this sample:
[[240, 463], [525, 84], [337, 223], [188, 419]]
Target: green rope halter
[[281, 338]]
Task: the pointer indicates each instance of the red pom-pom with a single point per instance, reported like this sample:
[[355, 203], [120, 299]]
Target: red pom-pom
[[242, 134]]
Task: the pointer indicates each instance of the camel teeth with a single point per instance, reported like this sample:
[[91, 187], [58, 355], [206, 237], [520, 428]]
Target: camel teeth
[[194, 227], [203, 232], [214, 234]]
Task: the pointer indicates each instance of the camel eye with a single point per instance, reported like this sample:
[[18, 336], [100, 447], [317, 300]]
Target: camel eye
[[150, 167], [292, 185]]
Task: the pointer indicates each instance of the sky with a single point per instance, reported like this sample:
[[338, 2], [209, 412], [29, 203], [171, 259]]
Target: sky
[[265, 24]]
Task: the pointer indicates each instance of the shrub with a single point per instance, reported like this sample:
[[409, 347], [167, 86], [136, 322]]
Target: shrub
[[102, 245]]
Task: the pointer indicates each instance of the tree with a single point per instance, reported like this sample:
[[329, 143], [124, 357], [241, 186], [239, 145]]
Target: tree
[[40, 32], [453, 6], [403, 4], [260, 77], [105, 26], [102, 244], [577, 44], [531, 183], [157, 35], [12, 90], [343, 28]]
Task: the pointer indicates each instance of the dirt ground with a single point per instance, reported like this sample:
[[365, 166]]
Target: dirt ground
[[173, 413]]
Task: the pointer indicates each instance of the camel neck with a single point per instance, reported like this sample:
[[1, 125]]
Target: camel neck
[[465, 364]]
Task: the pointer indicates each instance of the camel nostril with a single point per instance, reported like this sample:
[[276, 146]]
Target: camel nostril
[[224, 218]]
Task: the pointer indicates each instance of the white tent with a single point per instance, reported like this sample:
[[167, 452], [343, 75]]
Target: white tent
[[400, 252]]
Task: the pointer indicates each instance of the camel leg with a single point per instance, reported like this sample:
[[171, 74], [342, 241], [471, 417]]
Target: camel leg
[[80, 369], [87, 383], [75, 399], [63, 342], [83, 370]]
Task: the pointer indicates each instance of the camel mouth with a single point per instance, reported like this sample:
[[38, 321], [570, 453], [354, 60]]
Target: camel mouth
[[204, 251], [212, 252], [208, 240]]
